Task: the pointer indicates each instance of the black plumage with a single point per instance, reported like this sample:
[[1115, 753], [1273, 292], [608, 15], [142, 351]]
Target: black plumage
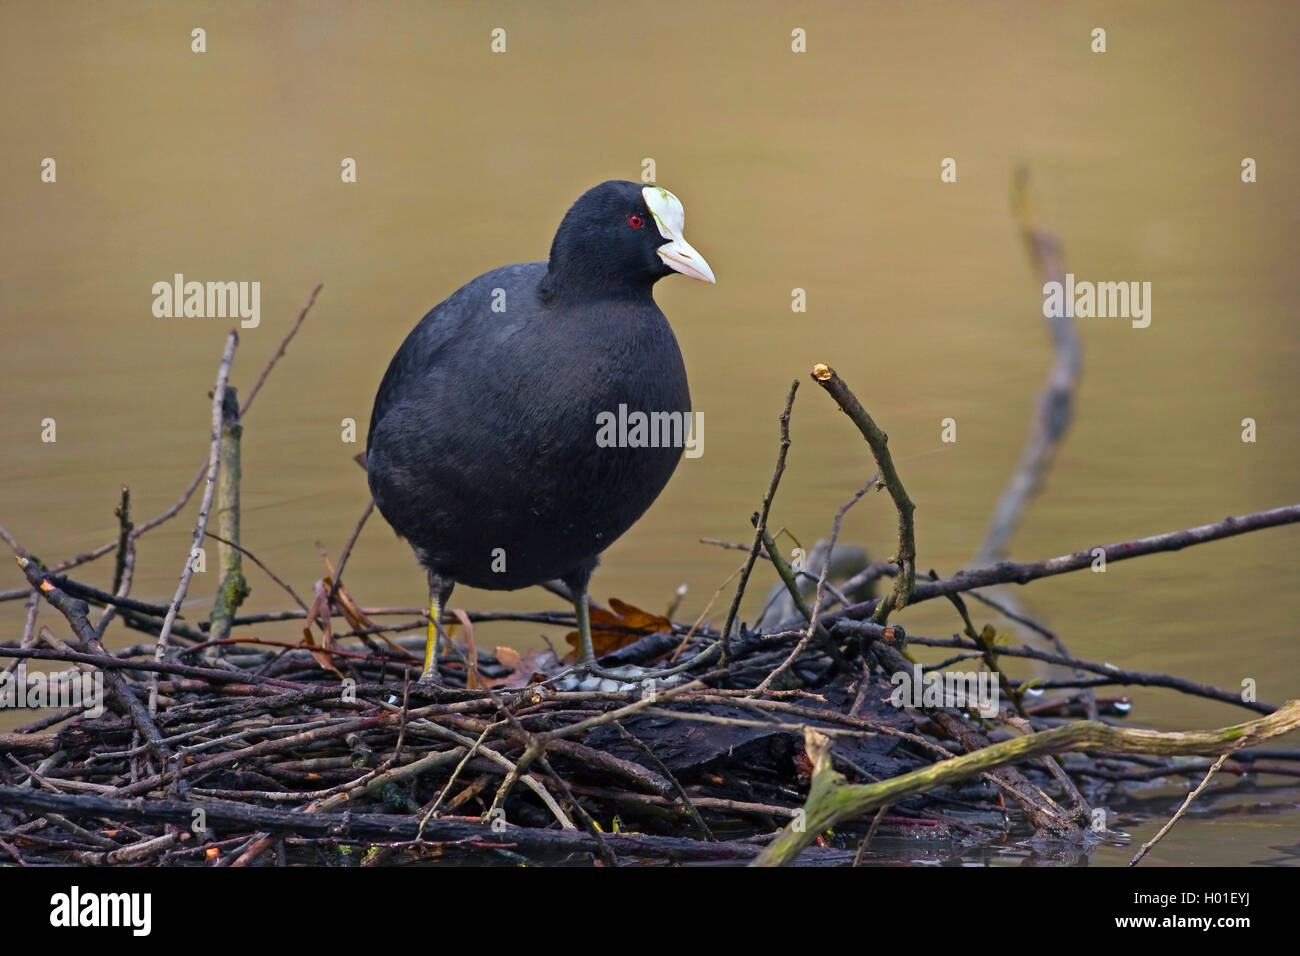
[[482, 451]]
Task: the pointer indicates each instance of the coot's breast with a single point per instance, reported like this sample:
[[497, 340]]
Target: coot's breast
[[504, 435]]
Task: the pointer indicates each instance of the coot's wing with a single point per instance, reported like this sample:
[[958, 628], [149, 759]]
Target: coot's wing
[[427, 343]]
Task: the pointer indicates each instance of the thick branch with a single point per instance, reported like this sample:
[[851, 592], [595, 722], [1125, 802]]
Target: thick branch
[[878, 441], [233, 588], [831, 799], [363, 826], [1013, 572]]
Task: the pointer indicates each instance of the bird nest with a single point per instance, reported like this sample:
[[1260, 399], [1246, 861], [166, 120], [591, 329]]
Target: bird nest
[[265, 759]]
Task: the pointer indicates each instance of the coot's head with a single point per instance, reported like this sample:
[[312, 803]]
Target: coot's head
[[621, 238]]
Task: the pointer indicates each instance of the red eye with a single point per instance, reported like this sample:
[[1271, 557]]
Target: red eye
[[636, 222]]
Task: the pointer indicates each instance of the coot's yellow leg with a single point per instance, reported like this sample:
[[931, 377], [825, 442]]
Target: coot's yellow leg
[[439, 594], [431, 639]]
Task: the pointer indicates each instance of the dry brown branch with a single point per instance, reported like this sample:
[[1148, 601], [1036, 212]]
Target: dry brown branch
[[878, 442], [1012, 572]]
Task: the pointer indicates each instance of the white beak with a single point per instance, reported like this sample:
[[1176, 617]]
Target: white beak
[[670, 217]]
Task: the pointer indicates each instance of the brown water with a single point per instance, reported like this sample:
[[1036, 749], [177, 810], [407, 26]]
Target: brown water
[[816, 170]]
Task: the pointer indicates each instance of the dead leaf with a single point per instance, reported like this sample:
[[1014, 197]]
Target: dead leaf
[[472, 680], [319, 613], [622, 624], [536, 665]]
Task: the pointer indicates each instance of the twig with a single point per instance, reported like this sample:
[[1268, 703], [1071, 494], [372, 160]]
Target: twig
[[232, 588], [679, 792], [279, 352], [74, 611], [385, 827], [871, 831], [1011, 572], [347, 550], [124, 570], [815, 626], [878, 442], [1181, 810], [796, 595], [125, 527], [107, 663], [218, 397], [760, 526], [269, 573], [1113, 674]]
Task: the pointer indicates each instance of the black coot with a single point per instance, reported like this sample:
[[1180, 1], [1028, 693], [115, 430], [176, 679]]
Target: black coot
[[490, 442]]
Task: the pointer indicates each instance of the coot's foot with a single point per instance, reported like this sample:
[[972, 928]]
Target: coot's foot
[[588, 669]]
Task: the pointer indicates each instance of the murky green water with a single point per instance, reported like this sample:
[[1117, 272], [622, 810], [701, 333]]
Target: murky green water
[[817, 171]]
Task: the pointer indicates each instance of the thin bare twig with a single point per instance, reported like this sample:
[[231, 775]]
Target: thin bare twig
[[821, 589], [1146, 847], [279, 352], [760, 525], [218, 397]]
